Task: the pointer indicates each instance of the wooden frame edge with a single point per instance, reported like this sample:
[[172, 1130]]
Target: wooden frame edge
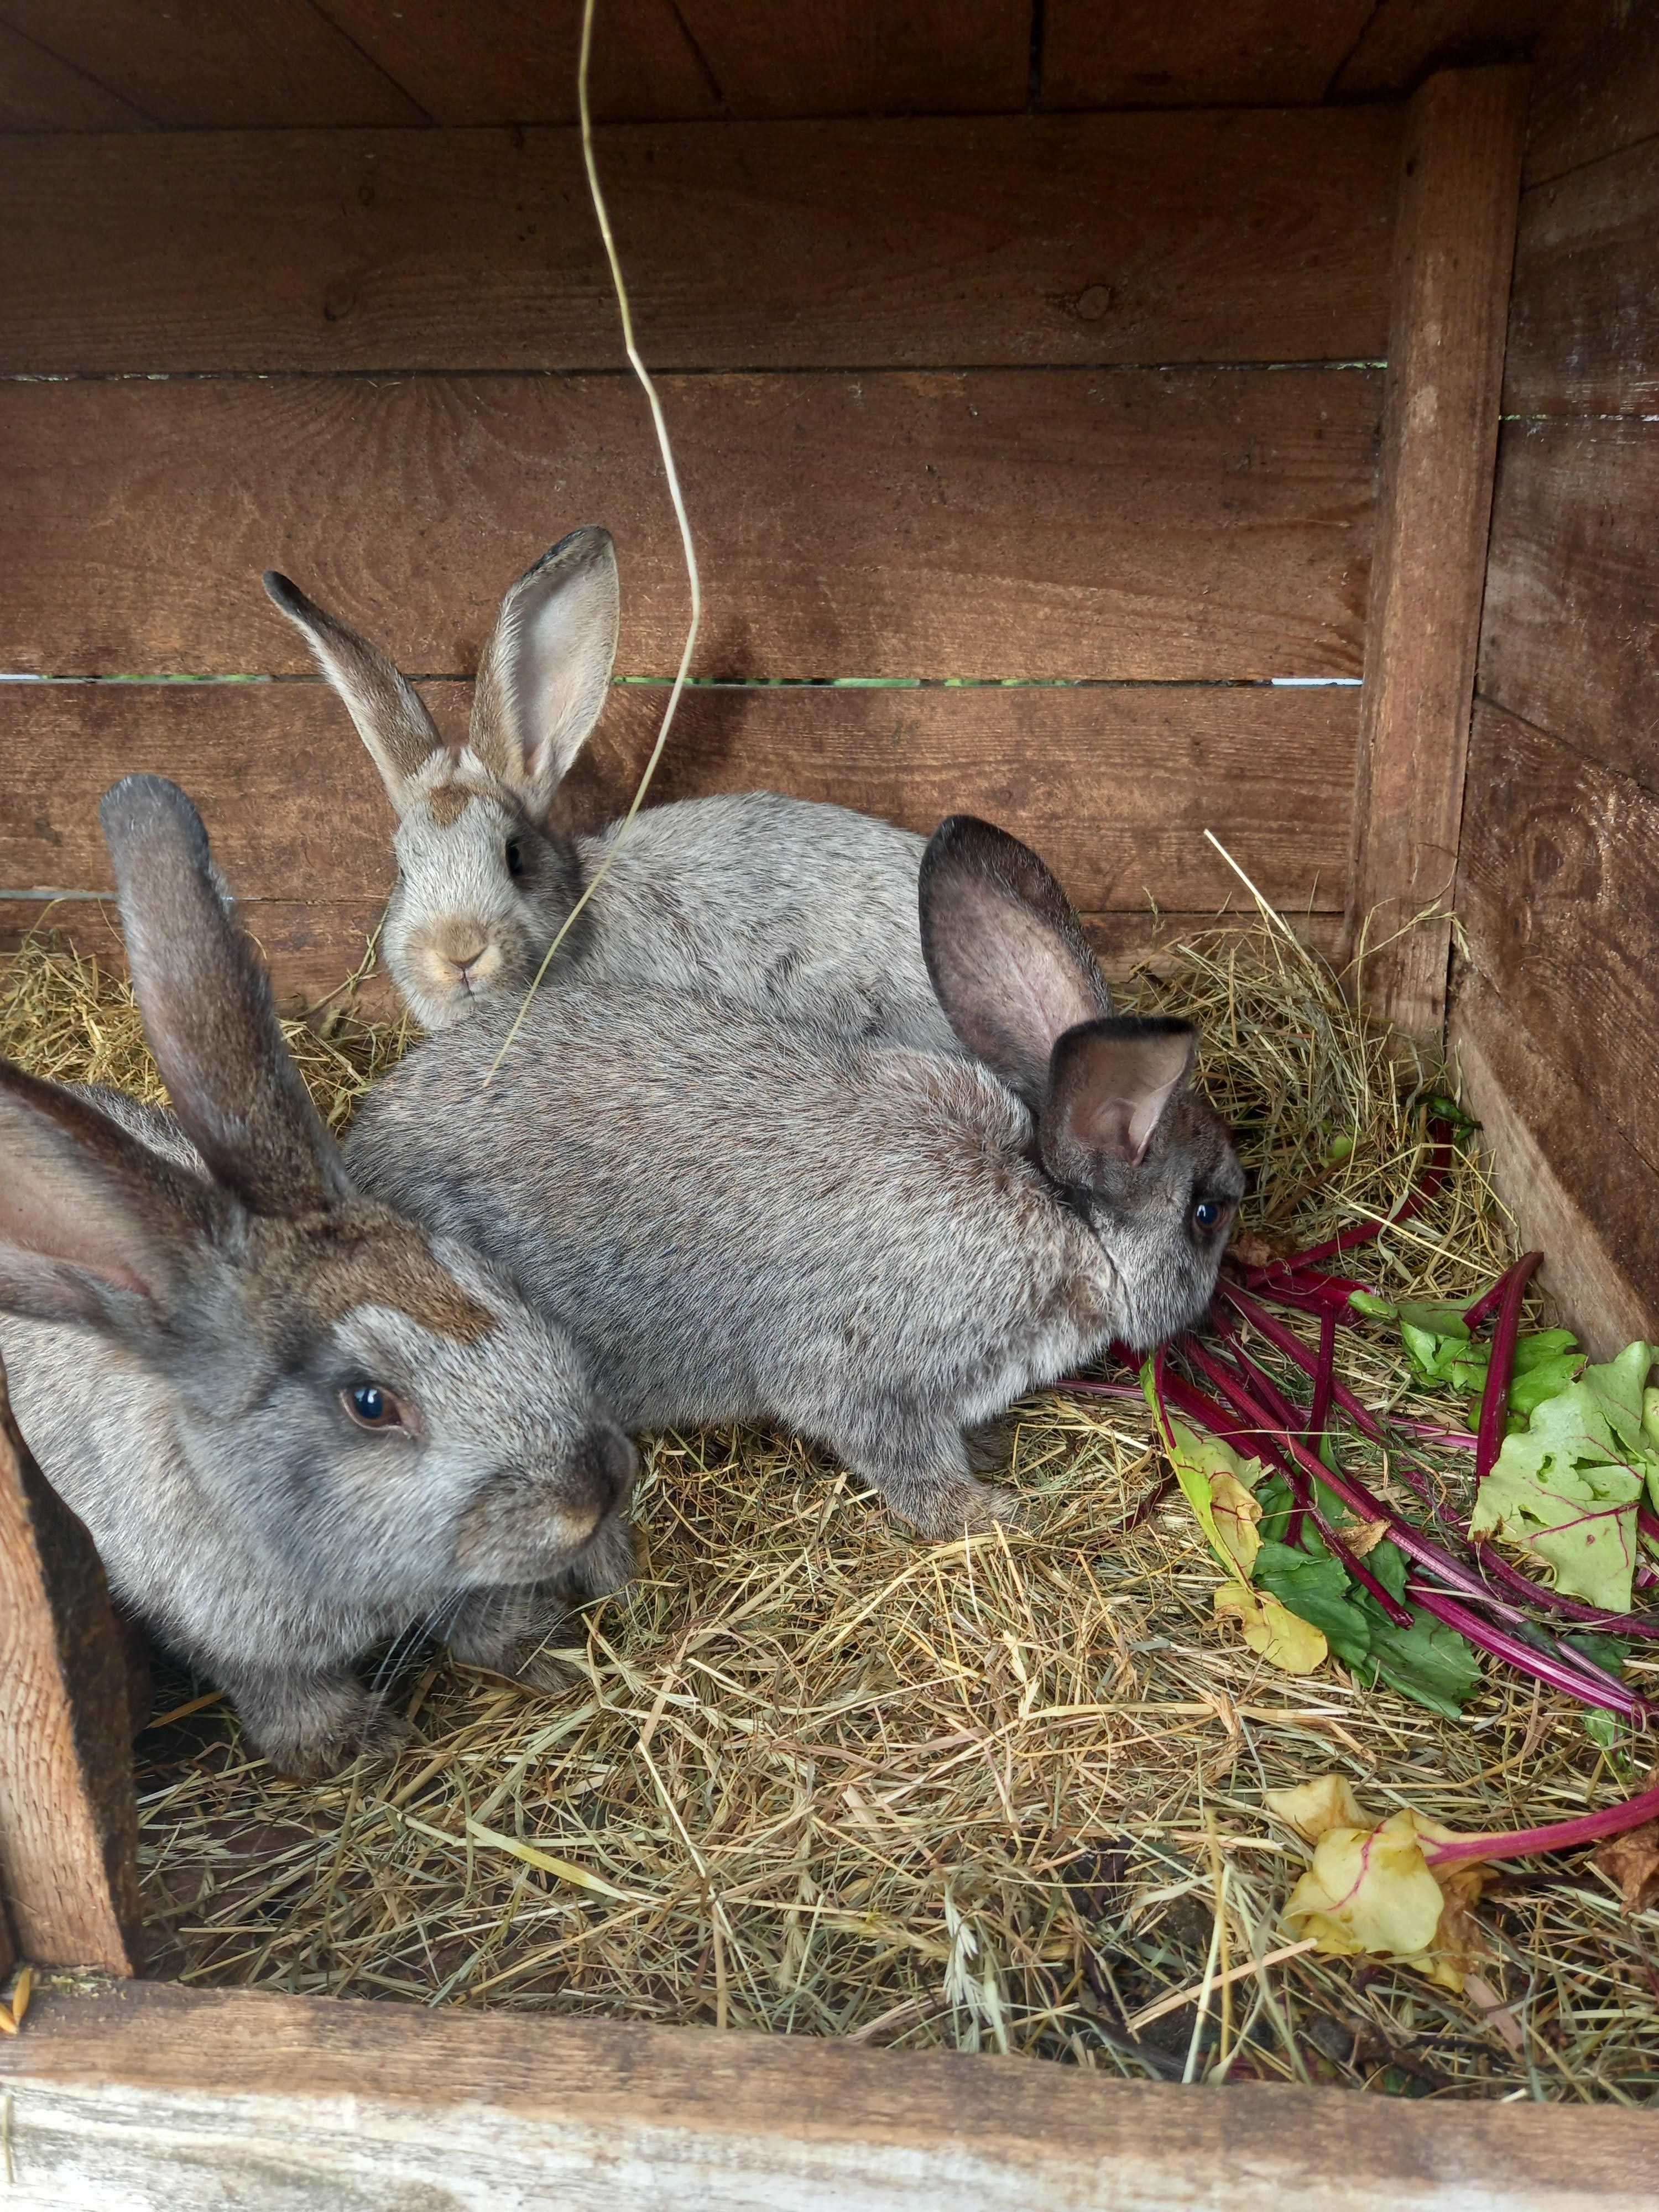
[[130, 2094]]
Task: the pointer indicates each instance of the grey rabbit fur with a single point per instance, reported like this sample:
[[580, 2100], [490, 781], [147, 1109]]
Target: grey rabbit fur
[[879, 1248], [788, 906], [294, 1422]]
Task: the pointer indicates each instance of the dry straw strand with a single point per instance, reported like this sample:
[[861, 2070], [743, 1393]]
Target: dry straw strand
[[800, 1729]]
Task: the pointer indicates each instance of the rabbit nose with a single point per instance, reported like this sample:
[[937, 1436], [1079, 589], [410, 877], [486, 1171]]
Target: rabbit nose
[[461, 943]]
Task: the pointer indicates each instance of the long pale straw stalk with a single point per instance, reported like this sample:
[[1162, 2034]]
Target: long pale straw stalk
[[695, 582]]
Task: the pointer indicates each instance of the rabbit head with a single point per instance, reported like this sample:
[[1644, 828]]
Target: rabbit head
[[360, 1413], [484, 883], [1120, 1129]]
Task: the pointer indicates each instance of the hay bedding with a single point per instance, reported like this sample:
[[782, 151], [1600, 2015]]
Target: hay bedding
[[1005, 1795]]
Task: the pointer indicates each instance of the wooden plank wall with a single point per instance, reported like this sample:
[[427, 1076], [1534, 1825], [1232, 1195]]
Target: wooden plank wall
[[970, 384], [1558, 1000], [1083, 415]]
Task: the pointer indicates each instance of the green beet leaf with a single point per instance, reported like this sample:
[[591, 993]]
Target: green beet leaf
[[1428, 1663], [1566, 1485], [1317, 1591]]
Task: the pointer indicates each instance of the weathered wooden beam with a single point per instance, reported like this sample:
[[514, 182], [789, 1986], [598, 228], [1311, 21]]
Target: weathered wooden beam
[[150, 2094], [68, 1817], [1453, 248]]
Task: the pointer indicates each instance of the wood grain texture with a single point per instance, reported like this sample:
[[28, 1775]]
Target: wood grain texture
[[1558, 892], [1579, 1191], [514, 61], [1584, 313], [1598, 84], [151, 2096], [1406, 39], [1454, 245], [1210, 524], [200, 64], [38, 92], [1053, 239], [1569, 638], [315, 947], [1115, 786], [69, 1822], [1143, 53], [865, 56]]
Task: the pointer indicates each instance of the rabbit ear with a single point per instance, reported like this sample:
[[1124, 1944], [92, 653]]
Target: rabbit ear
[[93, 1226], [205, 998], [546, 671], [1112, 1084], [1007, 955], [390, 715]]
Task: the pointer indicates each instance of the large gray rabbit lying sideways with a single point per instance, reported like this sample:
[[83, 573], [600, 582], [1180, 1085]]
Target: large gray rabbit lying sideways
[[877, 1248], [294, 1422], [784, 905]]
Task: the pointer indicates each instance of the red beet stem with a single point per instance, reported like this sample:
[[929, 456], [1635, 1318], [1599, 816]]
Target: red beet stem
[[1492, 1563], [1294, 1457], [1558, 1835], [1364, 1232], [1500, 1370], [1357, 1499], [1551, 1666]]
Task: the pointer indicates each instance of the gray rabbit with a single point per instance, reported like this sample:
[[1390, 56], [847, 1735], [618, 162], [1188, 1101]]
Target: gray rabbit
[[295, 1423], [784, 905], [880, 1248]]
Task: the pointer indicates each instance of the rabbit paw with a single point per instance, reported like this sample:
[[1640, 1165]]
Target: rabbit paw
[[312, 1729], [946, 1511]]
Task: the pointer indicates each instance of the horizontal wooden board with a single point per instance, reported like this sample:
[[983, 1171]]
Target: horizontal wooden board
[[1579, 1191], [1584, 315], [1570, 632], [317, 950], [1597, 86], [1210, 524], [38, 92], [1115, 786], [865, 56], [1144, 53], [1406, 39], [1558, 893], [201, 65], [514, 61], [147, 2094], [1048, 240]]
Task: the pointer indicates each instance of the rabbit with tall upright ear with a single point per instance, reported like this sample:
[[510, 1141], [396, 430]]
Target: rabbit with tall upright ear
[[786, 906], [295, 1423], [883, 1250]]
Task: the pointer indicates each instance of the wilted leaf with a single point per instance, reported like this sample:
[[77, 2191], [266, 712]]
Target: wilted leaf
[[1217, 1483], [1282, 1638], [1312, 1808], [1633, 1860], [1370, 1889]]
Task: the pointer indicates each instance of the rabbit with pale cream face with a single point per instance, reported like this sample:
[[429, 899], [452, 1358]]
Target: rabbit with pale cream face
[[880, 1248], [295, 1423], [786, 906]]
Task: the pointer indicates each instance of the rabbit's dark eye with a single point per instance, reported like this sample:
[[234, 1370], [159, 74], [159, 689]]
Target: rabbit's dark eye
[[371, 1407], [514, 857], [1207, 1215]]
